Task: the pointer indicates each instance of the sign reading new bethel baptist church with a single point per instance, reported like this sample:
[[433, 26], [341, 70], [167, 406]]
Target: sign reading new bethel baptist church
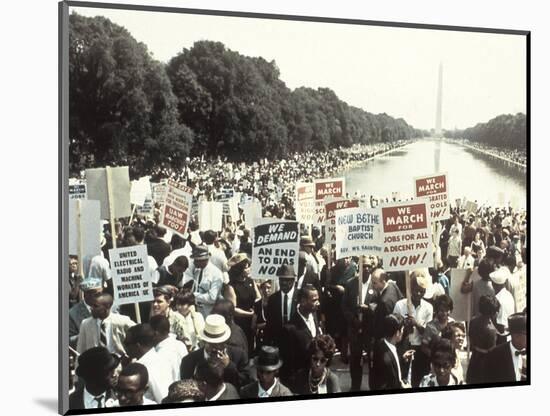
[[131, 276]]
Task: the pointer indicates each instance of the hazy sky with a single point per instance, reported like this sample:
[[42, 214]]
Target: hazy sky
[[379, 69]]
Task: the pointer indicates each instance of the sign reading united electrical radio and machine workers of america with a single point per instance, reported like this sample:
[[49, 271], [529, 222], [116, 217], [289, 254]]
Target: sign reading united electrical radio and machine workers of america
[[275, 242], [406, 232], [435, 187], [177, 207], [131, 276], [358, 232]]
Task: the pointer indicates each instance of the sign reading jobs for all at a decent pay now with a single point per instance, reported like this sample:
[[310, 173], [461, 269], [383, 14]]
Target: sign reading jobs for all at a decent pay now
[[406, 232]]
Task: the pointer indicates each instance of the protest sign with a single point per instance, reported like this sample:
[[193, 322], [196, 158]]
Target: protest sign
[[520, 293], [115, 185], [140, 190], [159, 192], [177, 207], [131, 276], [331, 206], [305, 203], [84, 229], [406, 232], [358, 232], [471, 207], [77, 190], [252, 211], [147, 208], [326, 188], [434, 187], [462, 302], [210, 215], [274, 243]]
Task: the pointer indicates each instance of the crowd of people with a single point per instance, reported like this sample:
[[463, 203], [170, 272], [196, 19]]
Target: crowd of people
[[514, 155], [213, 332]]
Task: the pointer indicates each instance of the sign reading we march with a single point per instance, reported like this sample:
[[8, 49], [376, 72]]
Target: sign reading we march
[[406, 231], [177, 207], [326, 188], [131, 277], [275, 242], [434, 187], [330, 212]]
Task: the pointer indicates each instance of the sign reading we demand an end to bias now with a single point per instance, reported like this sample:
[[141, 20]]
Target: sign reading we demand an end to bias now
[[406, 235], [131, 276], [435, 187], [275, 243]]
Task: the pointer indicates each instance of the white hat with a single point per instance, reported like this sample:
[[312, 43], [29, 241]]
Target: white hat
[[215, 329], [500, 275]]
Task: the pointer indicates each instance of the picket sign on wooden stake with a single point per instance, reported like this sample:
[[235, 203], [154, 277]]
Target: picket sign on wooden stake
[[360, 292], [80, 244], [410, 307], [113, 228]]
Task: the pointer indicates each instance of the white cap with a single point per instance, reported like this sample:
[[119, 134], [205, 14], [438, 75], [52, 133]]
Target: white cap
[[500, 275]]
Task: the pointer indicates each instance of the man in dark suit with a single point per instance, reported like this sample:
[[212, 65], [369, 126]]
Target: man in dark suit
[[276, 314], [388, 295], [215, 335], [302, 328], [386, 371], [96, 367], [212, 383], [268, 385], [358, 318], [506, 362]]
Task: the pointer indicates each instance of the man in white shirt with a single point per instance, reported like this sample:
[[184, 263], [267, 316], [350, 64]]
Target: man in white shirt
[[204, 279], [505, 298], [167, 346], [217, 255], [140, 345], [131, 386], [466, 261], [104, 328], [415, 322]]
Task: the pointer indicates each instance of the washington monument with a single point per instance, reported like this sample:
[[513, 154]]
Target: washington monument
[[438, 131]]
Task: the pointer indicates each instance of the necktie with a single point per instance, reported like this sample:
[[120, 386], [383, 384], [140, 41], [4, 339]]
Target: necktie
[[520, 352], [200, 277], [99, 400], [102, 335], [285, 308]]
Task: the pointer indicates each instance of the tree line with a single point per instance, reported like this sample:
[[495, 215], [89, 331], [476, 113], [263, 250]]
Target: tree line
[[505, 131], [126, 108]]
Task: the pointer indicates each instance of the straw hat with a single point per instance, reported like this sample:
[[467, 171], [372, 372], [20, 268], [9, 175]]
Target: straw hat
[[215, 329], [236, 259]]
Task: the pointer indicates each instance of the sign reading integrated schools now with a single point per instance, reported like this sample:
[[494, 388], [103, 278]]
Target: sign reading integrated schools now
[[131, 276], [275, 242], [406, 231], [434, 187]]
